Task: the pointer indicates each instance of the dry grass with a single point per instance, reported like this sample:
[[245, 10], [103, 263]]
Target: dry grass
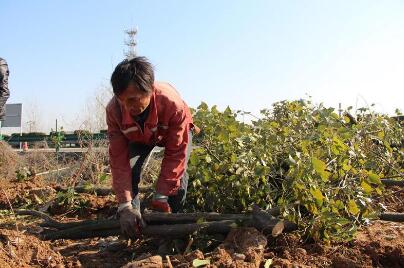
[[8, 161], [151, 170], [39, 161], [94, 163]]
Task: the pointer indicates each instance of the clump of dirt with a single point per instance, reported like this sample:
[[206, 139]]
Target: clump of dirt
[[383, 242], [33, 191], [104, 252], [8, 161], [150, 262], [380, 244], [85, 206], [246, 241], [23, 250], [243, 247]]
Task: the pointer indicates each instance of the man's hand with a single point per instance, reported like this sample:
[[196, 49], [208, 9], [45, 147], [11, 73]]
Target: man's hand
[[160, 203], [131, 222]]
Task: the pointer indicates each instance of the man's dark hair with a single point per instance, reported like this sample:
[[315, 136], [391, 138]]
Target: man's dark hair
[[137, 71]]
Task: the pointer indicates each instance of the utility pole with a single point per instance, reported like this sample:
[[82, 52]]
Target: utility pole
[[131, 43], [30, 123]]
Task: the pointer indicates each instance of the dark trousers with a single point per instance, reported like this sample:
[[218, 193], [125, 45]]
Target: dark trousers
[[138, 153]]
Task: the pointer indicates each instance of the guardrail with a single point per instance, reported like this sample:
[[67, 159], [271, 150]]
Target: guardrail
[[70, 140]]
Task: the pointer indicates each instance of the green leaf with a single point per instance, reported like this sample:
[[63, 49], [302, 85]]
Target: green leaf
[[319, 166], [353, 208], [203, 106], [200, 263], [103, 177], [274, 124], [366, 187], [339, 204], [318, 196], [374, 178]]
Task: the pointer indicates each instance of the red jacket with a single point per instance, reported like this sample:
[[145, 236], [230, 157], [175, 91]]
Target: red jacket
[[167, 125]]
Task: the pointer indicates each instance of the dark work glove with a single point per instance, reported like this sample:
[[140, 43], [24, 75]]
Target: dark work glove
[[131, 222]]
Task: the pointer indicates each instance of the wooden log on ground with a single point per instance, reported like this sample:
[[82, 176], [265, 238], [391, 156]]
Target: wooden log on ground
[[390, 182], [391, 216], [219, 223], [156, 217], [259, 219], [174, 230], [149, 217]]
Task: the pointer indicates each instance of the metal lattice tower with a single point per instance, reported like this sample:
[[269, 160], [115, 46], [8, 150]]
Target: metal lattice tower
[[131, 43]]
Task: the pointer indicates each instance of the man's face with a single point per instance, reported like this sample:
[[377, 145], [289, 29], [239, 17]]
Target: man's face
[[134, 100]]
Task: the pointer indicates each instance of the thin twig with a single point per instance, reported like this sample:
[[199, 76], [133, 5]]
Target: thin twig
[[48, 219], [211, 153], [51, 171], [188, 248], [170, 265], [11, 208], [7, 253]]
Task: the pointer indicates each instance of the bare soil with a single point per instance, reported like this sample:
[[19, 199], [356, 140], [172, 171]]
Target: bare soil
[[380, 244], [18, 249]]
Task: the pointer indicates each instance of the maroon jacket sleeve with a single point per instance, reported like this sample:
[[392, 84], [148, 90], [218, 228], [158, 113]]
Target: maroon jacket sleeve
[[119, 160], [173, 165]]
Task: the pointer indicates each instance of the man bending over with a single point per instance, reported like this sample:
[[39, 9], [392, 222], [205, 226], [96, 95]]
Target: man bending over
[[141, 115]]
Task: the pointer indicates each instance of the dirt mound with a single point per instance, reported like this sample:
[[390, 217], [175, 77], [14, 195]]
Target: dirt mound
[[21, 193], [22, 250], [380, 244], [383, 242], [86, 206], [243, 247], [8, 161]]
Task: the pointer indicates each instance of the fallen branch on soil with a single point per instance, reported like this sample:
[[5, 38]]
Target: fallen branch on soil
[[157, 224], [48, 219], [51, 171], [171, 225], [389, 182], [174, 230], [151, 218], [390, 216], [11, 208]]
